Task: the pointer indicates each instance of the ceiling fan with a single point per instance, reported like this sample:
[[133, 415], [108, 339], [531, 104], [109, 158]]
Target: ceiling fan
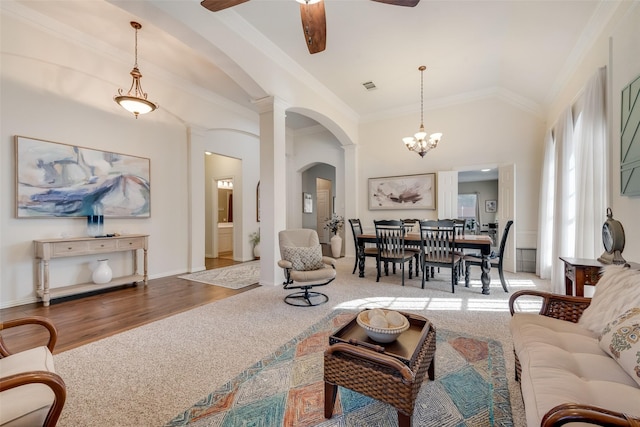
[[314, 22]]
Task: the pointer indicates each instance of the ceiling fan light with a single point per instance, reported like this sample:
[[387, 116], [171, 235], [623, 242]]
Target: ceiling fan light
[[308, 1]]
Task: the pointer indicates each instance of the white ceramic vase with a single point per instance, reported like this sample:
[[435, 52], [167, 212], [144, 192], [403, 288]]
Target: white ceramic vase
[[102, 273], [336, 246], [256, 251]]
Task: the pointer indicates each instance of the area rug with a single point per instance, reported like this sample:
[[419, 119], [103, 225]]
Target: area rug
[[233, 277], [286, 388]]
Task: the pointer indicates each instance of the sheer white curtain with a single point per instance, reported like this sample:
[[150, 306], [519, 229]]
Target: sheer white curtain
[[573, 193], [591, 168], [563, 239], [545, 213]]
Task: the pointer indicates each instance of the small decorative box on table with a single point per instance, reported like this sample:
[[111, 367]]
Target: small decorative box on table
[[392, 374]]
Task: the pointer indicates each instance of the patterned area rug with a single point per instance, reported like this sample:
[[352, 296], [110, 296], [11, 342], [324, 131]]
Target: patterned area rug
[[233, 277], [287, 388]]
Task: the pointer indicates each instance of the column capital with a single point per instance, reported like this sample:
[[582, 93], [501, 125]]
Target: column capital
[[269, 103]]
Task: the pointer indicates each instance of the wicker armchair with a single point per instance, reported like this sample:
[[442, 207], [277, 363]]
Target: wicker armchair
[[570, 308], [31, 392]]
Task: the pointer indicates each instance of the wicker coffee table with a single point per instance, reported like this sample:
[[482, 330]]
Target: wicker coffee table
[[392, 374]]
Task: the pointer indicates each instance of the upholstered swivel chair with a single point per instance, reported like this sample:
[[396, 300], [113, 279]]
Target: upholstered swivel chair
[[32, 394], [438, 245], [304, 266], [356, 229], [471, 260]]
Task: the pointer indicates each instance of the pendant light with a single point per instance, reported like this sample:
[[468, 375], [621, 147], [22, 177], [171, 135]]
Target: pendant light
[[418, 142], [135, 101]]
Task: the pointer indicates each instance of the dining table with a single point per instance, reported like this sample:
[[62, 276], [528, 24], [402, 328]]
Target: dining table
[[467, 241]]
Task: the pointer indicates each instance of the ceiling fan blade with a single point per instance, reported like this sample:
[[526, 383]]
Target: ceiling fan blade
[[408, 3], [216, 5], [314, 26]]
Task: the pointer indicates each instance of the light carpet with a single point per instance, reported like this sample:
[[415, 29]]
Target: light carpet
[[232, 277], [286, 388], [148, 375]]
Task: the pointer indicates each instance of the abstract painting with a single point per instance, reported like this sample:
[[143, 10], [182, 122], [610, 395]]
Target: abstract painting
[[61, 180], [403, 192]]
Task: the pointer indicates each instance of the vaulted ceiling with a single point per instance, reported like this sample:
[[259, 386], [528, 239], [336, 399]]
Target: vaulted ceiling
[[519, 50]]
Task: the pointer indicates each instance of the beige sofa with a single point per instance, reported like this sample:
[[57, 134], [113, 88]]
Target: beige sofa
[[578, 359]]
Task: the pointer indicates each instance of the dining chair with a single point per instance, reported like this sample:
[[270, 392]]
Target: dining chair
[[438, 247], [390, 245], [471, 260], [412, 225], [356, 229]]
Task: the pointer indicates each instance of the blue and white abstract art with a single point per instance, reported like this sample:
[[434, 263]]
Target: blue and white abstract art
[[60, 180]]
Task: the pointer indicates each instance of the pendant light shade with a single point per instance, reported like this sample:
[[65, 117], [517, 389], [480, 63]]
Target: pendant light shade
[[135, 100]]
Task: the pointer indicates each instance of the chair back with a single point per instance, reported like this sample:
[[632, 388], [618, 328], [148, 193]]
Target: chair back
[[438, 240], [390, 238], [503, 241], [356, 228], [410, 223], [300, 237]]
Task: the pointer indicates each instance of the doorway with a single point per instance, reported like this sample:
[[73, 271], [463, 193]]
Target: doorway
[[225, 218], [323, 202]]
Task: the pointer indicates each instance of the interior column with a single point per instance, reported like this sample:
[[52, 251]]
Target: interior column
[[273, 188]]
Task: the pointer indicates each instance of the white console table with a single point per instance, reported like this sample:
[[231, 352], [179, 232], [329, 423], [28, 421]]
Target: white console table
[[48, 249]]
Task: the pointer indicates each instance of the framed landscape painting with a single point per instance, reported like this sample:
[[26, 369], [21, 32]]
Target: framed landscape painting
[[403, 192], [61, 180]]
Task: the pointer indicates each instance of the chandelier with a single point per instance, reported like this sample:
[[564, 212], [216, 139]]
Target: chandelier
[[135, 101], [418, 142]]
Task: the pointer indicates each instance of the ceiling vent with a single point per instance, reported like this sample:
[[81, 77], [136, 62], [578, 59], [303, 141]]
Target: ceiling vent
[[369, 85]]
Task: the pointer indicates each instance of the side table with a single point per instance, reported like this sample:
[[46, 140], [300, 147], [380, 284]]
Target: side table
[[579, 272], [392, 374]]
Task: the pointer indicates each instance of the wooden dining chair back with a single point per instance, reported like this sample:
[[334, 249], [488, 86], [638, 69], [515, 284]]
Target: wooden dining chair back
[[412, 225], [390, 245], [438, 248], [362, 252], [471, 260]]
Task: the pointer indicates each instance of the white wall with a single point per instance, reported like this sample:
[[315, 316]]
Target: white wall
[[488, 131], [41, 115]]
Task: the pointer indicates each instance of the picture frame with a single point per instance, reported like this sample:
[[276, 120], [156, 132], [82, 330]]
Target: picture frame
[[490, 206], [403, 192], [307, 203], [630, 139], [53, 179]]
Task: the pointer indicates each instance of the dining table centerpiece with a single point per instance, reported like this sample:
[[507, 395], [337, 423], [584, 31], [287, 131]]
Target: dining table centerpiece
[[335, 225]]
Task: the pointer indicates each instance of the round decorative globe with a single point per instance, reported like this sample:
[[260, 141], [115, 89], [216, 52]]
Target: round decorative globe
[[381, 335]]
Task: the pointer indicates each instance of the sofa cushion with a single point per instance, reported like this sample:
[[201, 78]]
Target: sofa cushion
[[617, 291], [304, 258], [562, 362], [31, 402], [621, 339]]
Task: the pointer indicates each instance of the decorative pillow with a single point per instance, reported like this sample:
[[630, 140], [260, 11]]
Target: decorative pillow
[[617, 291], [303, 258], [621, 339]]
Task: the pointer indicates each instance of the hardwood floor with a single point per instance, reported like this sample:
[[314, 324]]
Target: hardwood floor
[[90, 318]]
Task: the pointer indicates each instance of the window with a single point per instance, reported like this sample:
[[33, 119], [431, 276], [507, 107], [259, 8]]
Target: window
[[467, 206]]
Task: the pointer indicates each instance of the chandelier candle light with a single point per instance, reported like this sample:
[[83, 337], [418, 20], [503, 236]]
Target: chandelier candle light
[[418, 142], [135, 101]]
